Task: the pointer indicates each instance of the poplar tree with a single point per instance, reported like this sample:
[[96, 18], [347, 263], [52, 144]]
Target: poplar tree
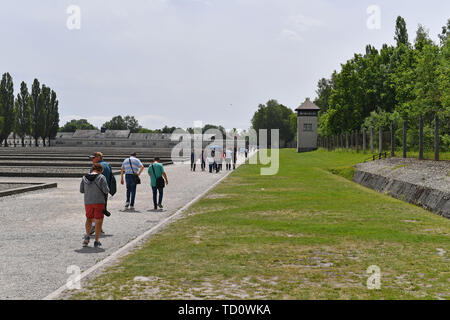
[[401, 33], [52, 122], [44, 102], [23, 112], [7, 107], [37, 113]]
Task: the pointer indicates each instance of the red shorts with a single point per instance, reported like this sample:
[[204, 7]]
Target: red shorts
[[95, 211]]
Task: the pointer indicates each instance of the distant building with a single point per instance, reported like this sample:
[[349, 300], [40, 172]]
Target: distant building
[[307, 123], [16, 141], [112, 138], [120, 138]]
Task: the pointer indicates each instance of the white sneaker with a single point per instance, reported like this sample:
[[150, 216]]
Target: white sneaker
[[127, 205], [131, 207]]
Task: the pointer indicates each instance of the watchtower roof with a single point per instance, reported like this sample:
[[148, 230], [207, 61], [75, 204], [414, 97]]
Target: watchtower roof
[[307, 105]]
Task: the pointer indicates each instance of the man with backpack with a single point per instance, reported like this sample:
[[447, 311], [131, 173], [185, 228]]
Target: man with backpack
[[156, 172], [97, 157], [95, 188]]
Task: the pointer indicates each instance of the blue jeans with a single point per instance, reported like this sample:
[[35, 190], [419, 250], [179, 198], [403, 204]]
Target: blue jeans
[[161, 192], [131, 189], [203, 164]]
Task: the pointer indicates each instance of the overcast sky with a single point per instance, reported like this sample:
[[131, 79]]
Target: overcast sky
[[177, 61]]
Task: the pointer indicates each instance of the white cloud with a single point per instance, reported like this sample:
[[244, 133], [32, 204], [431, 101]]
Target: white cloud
[[303, 23], [290, 34], [298, 24], [204, 2]]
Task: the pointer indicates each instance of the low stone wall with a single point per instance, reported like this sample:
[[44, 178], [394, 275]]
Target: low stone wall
[[382, 177], [8, 189], [67, 162]]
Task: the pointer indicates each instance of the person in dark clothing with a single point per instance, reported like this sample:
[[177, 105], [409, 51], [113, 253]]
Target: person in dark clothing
[[214, 163], [193, 164], [155, 171], [203, 165]]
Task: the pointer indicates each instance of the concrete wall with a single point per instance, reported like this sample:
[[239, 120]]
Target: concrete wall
[[306, 140], [431, 199]]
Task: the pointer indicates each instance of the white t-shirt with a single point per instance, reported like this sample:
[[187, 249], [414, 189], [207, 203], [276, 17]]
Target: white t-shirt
[[229, 154]]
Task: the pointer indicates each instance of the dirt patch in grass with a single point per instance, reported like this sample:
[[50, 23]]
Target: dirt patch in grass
[[216, 196], [208, 208]]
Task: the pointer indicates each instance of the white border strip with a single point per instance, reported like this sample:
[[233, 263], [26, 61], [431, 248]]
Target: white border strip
[[133, 243]]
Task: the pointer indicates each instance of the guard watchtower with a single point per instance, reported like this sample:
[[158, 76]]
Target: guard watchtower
[[307, 120]]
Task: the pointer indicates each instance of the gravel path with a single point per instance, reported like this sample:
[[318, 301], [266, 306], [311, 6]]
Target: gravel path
[[41, 232], [431, 174]]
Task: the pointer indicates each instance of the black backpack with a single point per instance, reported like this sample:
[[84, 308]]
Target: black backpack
[[160, 183], [113, 186]]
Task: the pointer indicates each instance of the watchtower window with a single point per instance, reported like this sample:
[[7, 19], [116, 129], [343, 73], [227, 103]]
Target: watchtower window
[[307, 127]]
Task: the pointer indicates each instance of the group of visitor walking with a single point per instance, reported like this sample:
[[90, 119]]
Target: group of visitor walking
[[215, 160], [100, 182]]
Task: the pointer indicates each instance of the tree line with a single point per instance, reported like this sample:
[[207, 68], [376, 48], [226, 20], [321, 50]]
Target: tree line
[[406, 85], [32, 113], [116, 123], [129, 123], [274, 115]]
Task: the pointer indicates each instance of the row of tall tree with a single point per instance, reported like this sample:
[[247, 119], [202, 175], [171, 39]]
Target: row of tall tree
[[32, 113], [405, 82]]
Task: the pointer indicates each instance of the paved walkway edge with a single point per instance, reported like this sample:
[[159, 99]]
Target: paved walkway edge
[[135, 242]]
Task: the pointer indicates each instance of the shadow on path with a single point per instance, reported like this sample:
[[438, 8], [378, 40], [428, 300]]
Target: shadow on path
[[130, 211], [90, 250]]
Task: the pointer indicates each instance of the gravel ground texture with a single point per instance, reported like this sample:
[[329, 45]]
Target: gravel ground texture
[[41, 232], [431, 174]]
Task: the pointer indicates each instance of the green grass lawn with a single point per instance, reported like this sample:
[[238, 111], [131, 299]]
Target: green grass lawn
[[302, 234], [427, 154]]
